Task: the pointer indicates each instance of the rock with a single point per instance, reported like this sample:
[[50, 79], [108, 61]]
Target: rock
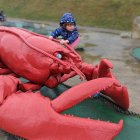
[[136, 28], [126, 35]]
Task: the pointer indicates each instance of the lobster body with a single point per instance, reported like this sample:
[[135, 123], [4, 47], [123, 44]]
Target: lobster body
[[32, 56], [24, 60], [31, 64], [46, 62]]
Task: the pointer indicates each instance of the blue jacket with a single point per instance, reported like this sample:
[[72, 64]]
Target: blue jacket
[[66, 35]]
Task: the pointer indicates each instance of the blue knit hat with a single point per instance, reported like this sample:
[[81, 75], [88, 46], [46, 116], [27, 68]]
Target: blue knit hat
[[67, 18]]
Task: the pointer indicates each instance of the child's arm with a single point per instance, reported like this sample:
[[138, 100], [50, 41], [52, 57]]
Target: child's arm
[[50, 37], [74, 36], [56, 33], [62, 41]]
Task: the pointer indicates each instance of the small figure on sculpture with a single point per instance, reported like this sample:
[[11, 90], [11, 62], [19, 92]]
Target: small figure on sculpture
[[67, 30]]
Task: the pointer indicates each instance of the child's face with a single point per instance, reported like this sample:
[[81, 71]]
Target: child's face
[[70, 27]]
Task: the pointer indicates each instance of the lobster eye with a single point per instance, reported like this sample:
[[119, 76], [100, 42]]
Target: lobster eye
[[59, 56]]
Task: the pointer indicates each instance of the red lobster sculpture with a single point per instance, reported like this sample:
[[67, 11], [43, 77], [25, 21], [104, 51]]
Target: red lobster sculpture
[[34, 117]]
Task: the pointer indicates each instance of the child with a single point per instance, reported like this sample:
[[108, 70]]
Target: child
[[67, 30]]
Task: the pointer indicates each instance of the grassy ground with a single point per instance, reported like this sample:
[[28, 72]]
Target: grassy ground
[[115, 14]]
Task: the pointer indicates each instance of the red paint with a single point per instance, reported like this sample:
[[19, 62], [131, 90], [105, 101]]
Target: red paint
[[33, 56]]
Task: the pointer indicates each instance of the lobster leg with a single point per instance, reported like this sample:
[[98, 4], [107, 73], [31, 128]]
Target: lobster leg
[[14, 75], [29, 86], [2, 65], [5, 71], [8, 85]]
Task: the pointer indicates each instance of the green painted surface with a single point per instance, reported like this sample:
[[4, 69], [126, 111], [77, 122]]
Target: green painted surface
[[96, 109], [136, 53]]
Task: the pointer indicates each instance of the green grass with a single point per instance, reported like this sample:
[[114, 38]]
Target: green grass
[[115, 14]]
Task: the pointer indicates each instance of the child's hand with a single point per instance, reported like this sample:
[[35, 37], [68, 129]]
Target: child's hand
[[64, 41], [50, 37]]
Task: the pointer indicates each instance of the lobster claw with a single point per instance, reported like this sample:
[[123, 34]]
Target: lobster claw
[[35, 117], [116, 92], [119, 95], [80, 92], [40, 121]]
